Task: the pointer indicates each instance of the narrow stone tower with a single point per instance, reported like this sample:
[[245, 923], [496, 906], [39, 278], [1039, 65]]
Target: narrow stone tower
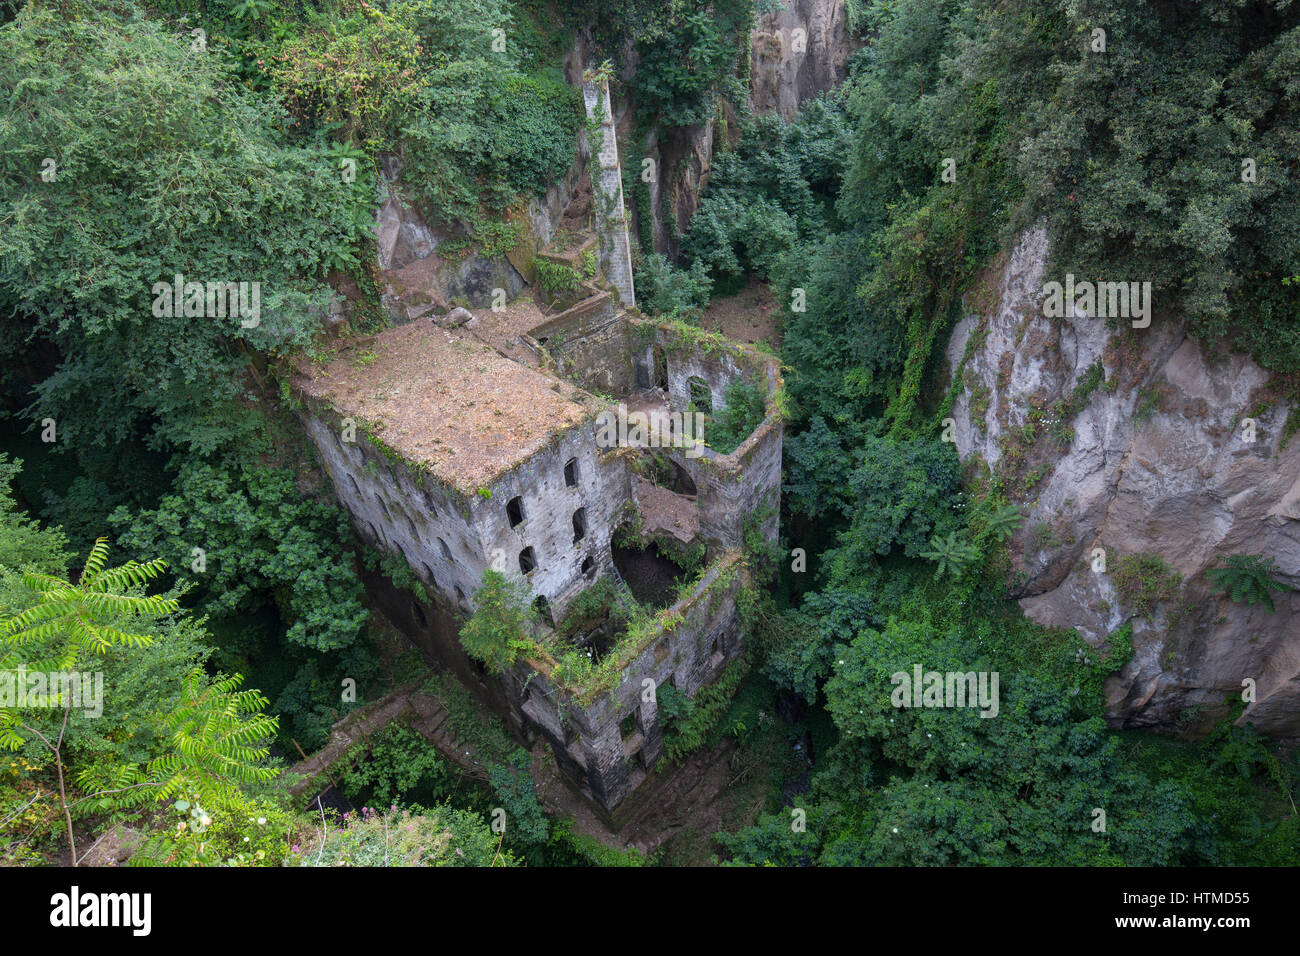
[[607, 187]]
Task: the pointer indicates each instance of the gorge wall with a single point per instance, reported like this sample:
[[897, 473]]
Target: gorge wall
[[1156, 460], [798, 52]]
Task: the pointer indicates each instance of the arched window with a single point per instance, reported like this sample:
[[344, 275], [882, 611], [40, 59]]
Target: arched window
[[579, 525], [571, 473], [515, 511], [527, 560], [701, 395]]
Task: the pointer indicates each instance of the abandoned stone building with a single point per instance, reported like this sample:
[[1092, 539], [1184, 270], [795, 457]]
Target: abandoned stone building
[[460, 457], [467, 439]]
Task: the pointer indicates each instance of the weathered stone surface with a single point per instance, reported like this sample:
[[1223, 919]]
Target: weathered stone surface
[[417, 278], [455, 318], [1178, 481], [608, 218], [450, 533], [798, 52]]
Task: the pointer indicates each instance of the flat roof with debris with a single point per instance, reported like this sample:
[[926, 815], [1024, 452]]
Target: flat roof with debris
[[502, 329], [446, 400]]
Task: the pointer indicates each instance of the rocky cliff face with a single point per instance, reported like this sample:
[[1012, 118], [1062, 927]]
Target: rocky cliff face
[[1178, 453], [798, 52], [795, 54]]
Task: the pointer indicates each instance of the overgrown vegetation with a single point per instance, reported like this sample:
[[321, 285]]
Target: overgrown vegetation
[[499, 630], [133, 160]]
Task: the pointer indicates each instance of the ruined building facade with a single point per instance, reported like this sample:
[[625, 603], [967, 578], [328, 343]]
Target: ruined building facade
[[459, 458], [463, 441]]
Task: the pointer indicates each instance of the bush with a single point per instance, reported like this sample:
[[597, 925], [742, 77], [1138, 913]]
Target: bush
[[481, 134], [440, 836], [498, 630], [737, 419], [666, 290], [1144, 580]]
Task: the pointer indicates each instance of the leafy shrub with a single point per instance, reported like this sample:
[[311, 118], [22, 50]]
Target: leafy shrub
[[1144, 580], [440, 836], [525, 822], [666, 290], [358, 73], [679, 73], [556, 278], [397, 761], [687, 722], [1247, 578], [259, 535], [904, 493], [481, 133], [205, 167], [497, 632], [737, 419]]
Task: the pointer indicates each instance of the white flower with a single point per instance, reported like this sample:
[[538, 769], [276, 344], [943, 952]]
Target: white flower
[[261, 821], [895, 829]]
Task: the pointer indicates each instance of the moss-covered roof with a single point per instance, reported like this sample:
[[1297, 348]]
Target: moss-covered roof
[[447, 401]]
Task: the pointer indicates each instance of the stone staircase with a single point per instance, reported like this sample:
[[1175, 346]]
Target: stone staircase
[[421, 711]]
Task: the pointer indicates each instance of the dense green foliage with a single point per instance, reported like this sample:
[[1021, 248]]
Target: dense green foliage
[[499, 629], [157, 729], [741, 413], [134, 150], [257, 534], [1247, 578], [871, 252], [667, 291]]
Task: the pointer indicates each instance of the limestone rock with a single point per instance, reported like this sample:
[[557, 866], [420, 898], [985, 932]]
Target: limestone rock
[[1158, 463], [455, 318], [788, 66]]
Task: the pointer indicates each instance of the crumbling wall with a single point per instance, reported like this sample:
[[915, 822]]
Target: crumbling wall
[[400, 512], [549, 504], [591, 346], [587, 739], [610, 223], [730, 487]]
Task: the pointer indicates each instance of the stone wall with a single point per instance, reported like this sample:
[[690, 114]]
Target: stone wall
[[429, 525], [588, 739], [729, 487], [607, 214], [449, 539], [591, 346], [549, 503]]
